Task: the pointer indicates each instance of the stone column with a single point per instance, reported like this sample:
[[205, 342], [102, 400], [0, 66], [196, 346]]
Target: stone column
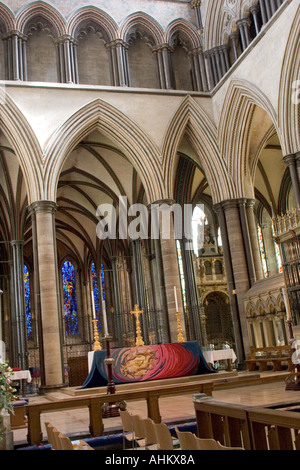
[[234, 38], [263, 11], [170, 264], [45, 259], [298, 164], [163, 56], [18, 321], [119, 63], [290, 160], [196, 5], [254, 238], [254, 9], [236, 270], [119, 322], [247, 241], [243, 25]]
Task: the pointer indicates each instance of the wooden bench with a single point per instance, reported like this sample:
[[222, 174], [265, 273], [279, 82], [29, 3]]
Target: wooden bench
[[274, 355], [17, 417]]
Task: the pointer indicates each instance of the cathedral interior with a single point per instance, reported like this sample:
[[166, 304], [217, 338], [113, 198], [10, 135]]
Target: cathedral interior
[[188, 103]]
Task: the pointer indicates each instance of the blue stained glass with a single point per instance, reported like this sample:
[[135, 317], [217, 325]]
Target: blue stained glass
[[70, 301], [27, 303], [95, 286], [103, 284]]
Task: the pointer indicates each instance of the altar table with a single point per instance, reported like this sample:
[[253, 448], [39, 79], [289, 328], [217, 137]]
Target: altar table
[[143, 363], [220, 355], [23, 376]]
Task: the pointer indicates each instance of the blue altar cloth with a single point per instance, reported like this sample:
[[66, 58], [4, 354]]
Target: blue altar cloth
[[143, 363]]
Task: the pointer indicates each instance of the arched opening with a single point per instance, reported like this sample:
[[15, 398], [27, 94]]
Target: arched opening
[[41, 51], [92, 54], [219, 325], [141, 60]]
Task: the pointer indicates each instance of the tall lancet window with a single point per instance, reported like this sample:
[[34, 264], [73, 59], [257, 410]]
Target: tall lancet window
[[262, 252], [27, 303], [70, 300], [95, 286], [103, 284]]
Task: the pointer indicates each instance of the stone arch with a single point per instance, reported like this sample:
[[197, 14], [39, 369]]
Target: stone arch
[[271, 304], [190, 118], [25, 145], [235, 122], [251, 309], [99, 115], [142, 35], [44, 11], [93, 14], [185, 32], [141, 21], [7, 18], [289, 106]]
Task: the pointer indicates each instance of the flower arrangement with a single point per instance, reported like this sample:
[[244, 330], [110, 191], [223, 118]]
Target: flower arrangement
[[7, 393]]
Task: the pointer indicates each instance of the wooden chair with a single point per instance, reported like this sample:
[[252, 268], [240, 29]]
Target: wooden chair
[[150, 435], [187, 440], [221, 447], [128, 429], [52, 435], [164, 438], [212, 444], [139, 431], [64, 442], [84, 446]]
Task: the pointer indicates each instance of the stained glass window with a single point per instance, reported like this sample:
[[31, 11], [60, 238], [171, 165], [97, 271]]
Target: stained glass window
[[70, 301], [27, 303], [181, 272], [103, 284], [262, 252], [95, 286], [278, 255]]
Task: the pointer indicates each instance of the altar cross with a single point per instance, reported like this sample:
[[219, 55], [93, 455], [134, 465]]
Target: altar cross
[[136, 312]]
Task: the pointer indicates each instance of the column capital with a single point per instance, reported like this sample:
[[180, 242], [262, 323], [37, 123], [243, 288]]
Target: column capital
[[168, 202], [17, 243], [243, 22], [297, 156], [290, 159], [42, 206], [195, 3], [254, 8]]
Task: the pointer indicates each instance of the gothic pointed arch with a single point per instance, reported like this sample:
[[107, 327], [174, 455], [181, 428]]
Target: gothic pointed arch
[[92, 15], [7, 18], [99, 115], [234, 127], [25, 145], [145, 23], [45, 12], [192, 120], [289, 106]]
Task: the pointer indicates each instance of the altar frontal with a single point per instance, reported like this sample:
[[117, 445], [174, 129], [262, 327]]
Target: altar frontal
[[144, 363]]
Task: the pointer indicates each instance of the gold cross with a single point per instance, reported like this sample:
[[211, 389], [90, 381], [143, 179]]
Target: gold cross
[[136, 312]]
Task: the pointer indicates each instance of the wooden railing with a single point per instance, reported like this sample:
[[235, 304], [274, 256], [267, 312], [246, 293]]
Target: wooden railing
[[252, 428], [95, 404]]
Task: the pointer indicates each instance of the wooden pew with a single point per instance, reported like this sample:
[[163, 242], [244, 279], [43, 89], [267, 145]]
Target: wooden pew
[[274, 355]]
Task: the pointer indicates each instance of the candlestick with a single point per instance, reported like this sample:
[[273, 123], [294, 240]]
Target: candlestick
[[104, 318], [287, 305], [136, 312], [97, 345], [180, 337], [93, 305], [175, 295]]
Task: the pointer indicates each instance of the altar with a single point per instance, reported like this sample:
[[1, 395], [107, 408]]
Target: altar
[[144, 363]]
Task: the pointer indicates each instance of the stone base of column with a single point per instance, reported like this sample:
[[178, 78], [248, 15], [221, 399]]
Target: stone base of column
[[50, 388]]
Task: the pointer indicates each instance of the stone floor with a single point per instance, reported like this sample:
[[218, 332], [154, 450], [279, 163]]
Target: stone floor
[[177, 409]]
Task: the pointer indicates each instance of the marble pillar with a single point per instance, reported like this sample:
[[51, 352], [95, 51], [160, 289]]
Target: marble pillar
[[292, 163], [170, 265], [43, 216]]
